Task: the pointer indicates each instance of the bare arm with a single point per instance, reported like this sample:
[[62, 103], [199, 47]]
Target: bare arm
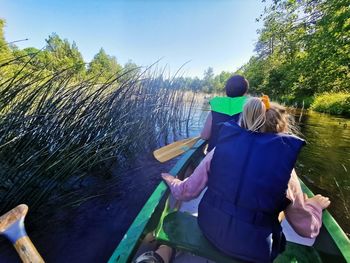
[[193, 185], [206, 131], [304, 214]]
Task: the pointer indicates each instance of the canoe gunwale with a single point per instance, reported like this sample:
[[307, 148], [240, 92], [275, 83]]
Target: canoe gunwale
[[141, 224], [156, 208], [334, 230]]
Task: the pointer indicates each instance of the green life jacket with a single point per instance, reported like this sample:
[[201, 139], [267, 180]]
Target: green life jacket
[[227, 105]]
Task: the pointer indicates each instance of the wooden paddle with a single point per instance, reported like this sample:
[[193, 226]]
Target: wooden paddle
[[12, 226], [174, 149]]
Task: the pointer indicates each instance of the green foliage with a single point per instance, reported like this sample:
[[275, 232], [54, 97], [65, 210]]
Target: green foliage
[[303, 50], [333, 103], [59, 120], [56, 130], [208, 80], [254, 72], [103, 66], [195, 84], [5, 51], [60, 54], [298, 102], [220, 81], [3, 45]]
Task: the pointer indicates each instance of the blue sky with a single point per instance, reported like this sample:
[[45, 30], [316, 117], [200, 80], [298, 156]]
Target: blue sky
[[216, 33]]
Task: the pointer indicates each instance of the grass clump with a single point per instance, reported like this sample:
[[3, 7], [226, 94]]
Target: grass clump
[[55, 129], [332, 103]]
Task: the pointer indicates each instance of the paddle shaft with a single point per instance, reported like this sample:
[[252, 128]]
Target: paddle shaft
[[27, 251]]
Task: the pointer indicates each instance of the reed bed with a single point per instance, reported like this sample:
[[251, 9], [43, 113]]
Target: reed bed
[[55, 130]]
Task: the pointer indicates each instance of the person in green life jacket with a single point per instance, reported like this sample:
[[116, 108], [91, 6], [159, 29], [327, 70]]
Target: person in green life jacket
[[225, 109]]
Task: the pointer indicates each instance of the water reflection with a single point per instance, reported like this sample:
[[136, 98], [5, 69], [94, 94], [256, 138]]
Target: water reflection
[[325, 161]]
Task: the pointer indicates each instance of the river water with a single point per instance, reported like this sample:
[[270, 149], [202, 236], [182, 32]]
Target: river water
[[90, 232], [324, 163]]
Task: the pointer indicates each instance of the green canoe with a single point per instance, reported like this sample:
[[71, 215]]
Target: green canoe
[[162, 219]]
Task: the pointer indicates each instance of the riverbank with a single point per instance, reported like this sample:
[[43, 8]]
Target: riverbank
[[332, 103]]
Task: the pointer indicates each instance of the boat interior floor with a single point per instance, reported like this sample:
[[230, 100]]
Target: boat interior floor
[[181, 231]]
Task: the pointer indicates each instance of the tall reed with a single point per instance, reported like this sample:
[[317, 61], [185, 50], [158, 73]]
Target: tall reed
[[54, 128]]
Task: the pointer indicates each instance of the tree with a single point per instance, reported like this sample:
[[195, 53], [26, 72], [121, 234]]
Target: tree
[[208, 80], [5, 52], [60, 54], [196, 84], [303, 49], [220, 81], [130, 71], [103, 66]]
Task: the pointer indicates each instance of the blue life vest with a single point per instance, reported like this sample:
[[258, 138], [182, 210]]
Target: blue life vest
[[223, 109], [218, 119], [247, 185]]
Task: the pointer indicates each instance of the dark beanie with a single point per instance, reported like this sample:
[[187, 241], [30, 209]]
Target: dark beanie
[[236, 86]]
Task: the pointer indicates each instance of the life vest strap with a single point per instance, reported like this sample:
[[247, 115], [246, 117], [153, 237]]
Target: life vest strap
[[255, 217]]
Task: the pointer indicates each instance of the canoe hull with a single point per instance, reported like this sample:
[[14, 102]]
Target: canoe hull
[[331, 245]]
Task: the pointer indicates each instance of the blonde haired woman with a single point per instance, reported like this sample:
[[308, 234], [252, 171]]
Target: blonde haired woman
[[250, 179]]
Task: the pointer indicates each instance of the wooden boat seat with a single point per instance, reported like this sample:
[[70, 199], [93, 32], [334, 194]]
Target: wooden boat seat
[[180, 230]]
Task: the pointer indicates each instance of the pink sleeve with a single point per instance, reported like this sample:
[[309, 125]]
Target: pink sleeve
[[193, 185], [206, 132], [304, 215]]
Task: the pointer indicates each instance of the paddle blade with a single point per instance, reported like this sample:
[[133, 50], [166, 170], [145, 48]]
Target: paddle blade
[[174, 149]]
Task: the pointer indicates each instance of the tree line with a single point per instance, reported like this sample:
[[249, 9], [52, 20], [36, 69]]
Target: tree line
[[302, 56], [64, 123], [303, 52], [59, 54]]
